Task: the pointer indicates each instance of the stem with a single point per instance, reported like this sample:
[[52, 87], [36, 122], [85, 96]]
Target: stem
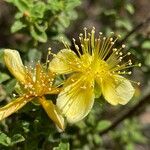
[[127, 114], [137, 27]]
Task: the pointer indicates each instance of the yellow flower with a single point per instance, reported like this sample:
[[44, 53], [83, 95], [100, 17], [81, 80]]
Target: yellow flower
[[34, 83], [97, 62]]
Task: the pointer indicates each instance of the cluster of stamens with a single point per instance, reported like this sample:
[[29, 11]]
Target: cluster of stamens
[[39, 80], [102, 49]]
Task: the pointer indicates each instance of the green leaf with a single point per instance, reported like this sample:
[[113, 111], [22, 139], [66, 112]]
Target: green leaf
[[17, 138], [18, 15], [72, 4], [4, 139], [4, 77], [138, 137], [62, 146], [64, 20], [97, 139], [18, 25], [38, 10], [22, 5], [129, 146], [146, 45], [102, 125], [55, 6], [130, 8], [37, 34], [124, 23], [25, 126], [147, 59]]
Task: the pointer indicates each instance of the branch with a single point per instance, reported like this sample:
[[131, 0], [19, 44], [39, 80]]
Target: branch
[[135, 29], [127, 114]]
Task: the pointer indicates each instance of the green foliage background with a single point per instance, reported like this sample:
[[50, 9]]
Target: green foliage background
[[31, 26]]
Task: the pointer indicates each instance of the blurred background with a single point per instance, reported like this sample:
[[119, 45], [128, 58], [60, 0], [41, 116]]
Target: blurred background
[[31, 26]]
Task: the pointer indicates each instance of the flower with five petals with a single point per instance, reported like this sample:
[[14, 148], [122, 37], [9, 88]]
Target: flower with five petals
[[96, 63], [34, 83]]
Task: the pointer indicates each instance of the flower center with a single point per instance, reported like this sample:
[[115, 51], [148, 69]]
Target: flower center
[[39, 81]]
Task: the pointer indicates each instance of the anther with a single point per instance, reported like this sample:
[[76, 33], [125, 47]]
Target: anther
[[129, 72], [119, 36], [139, 64], [111, 39], [100, 33], [93, 28], [123, 46], [81, 34], [120, 53], [84, 28], [130, 63], [114, 49], [138, 83], [14, 95], [104, 38], [120, 58], [26, 96]]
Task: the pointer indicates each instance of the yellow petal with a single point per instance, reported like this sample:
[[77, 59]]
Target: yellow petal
[[76, 100], [52, 112], [12, 107], [117, 90], [64, 62], [14, 63]]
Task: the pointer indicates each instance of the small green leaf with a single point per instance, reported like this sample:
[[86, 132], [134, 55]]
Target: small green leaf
[[17, 138], [130, 8], [124, 23], [22, 5], [102, 125], [147, 59], [4, 77], [18, 25], [138, 137], [18, 15], [64, 20], [72, 4], [37, 34], [4, 139], [25, 126], [129, 146], [38, 10], [62, 146], [146, 45], [97, 139]]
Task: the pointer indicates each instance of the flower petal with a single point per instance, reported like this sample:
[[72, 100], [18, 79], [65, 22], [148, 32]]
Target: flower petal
[[14, 63], [12, 107], [63, 62], [117, 90], [76, 100], [52, 112]]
